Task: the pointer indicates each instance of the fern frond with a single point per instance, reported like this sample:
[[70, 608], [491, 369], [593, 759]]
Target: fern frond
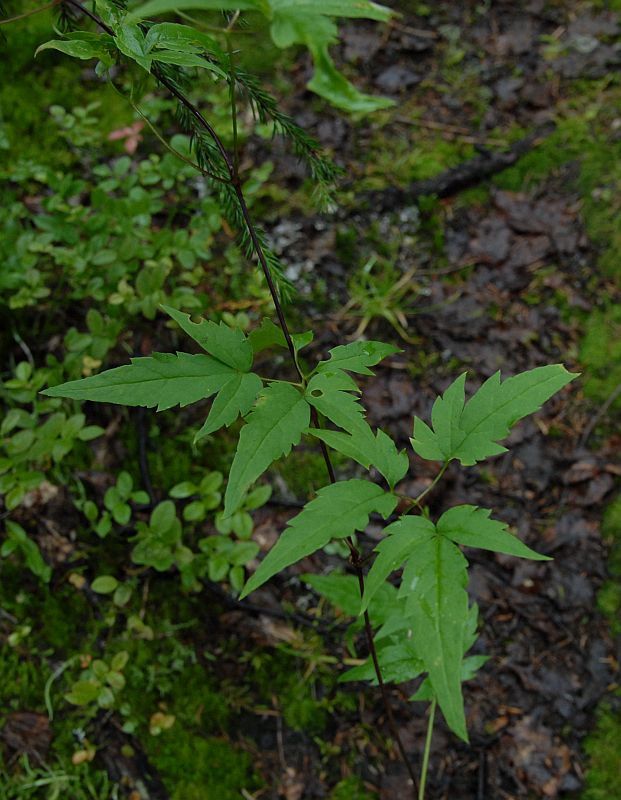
[[66, 17], [265, 107]]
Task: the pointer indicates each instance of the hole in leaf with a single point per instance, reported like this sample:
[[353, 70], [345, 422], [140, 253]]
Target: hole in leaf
[[316, 393]]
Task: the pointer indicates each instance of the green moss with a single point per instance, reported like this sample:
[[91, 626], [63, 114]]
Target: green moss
[[398, 160], [609, 596], [611, 532], [603, 747], [194, 768], [600, 354], [351, 789], [21, 680]]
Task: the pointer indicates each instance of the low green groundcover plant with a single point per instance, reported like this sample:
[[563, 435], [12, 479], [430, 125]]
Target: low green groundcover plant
[[420, 624]]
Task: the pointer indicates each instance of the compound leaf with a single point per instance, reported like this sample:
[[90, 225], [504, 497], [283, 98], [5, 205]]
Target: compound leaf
[[357, 357], [276, 423], [163, 380], [235, 398], [337, 512], [229, 345], [433, 586], [472, 527], [470, 431]]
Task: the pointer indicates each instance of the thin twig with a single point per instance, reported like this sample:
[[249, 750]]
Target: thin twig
[[29, 13]]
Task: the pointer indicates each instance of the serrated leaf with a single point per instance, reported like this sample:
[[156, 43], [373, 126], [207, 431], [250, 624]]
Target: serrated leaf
[[472, 527], [379, 451], [470, 432], [402, 537], [229, 345], [234, 399], [433, 586], [337, 512], [357, 357], [329, 393], [275, 424], [163, 380]]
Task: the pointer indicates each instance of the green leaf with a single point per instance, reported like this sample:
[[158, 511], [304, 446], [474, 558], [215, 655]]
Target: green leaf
[[154, 8], [337, 512], [183, 490], [343, 591], [401, 537], [316, 31], [80, 48], [470, 432], [274, 425], [329, 393], [379, 451], [186, 60], [234, 399], [104, 584], [83, 692], [229, 345], [472, 527], [163, 380], [302, 340], [20, 540], [131, 42], [332, 85], [399, 662], [433, 586], [357, 357], [180, 38], [335, 8], [266, 335], [163, 516]]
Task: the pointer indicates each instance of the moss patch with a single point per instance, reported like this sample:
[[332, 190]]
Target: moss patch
[[604, 749], [600, 354], [194, 768], [351, 789]]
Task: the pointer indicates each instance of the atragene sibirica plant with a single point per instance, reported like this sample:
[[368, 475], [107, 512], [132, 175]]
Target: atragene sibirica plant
[[424, 625]]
